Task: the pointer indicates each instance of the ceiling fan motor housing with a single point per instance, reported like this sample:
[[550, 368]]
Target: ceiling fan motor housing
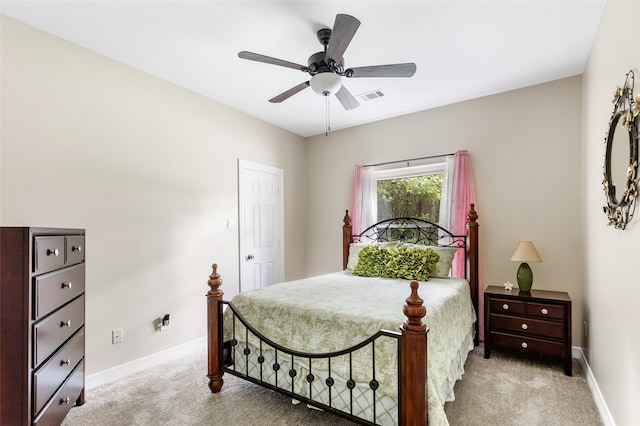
[[317, 65]]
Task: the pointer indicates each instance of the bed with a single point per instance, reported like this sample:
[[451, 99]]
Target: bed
[[355, 345]]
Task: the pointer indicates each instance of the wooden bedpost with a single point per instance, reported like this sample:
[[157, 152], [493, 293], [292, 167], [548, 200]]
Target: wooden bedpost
[[346, 239], [413, 362], [214, 330], [474, 270]]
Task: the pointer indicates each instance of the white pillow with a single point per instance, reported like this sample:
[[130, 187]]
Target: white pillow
[[354, 254]]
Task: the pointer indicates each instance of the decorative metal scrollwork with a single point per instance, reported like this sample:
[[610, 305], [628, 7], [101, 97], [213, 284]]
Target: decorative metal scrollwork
[[410, 230], [624, 126]]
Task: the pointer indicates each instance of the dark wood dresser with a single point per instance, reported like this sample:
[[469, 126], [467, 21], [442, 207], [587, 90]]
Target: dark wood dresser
[[535, 323], [42, 288]]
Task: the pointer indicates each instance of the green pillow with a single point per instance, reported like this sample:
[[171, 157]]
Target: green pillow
[[412, 263], [372, 261], [401, 262]]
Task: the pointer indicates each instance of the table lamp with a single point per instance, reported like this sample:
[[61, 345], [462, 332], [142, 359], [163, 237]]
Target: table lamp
[[525, 252]]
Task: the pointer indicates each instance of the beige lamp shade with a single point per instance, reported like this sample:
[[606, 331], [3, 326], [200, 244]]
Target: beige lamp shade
[[525, 252]]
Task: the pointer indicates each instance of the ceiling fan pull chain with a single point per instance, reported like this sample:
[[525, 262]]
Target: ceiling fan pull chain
[[327, 116]]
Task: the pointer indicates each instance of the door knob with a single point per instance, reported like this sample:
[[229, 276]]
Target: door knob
[[249, 257]]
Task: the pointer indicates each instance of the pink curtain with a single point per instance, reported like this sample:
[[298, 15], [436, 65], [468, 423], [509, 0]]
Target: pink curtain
[[356, 201], [463, 194]]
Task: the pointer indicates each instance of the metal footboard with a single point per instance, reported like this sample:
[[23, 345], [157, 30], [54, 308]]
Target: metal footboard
[[310, 378]]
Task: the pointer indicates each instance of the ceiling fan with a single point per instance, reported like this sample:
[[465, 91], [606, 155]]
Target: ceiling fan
[[327, 68]]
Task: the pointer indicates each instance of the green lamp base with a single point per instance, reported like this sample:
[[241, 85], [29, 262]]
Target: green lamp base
[[525, 277]]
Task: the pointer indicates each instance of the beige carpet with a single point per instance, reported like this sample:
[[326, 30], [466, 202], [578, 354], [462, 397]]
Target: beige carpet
[[499, 391]]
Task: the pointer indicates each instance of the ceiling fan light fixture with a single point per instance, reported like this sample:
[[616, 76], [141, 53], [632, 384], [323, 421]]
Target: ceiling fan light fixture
[[326, 83]]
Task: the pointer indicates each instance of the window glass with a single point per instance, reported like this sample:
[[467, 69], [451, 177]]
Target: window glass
[[415, 196], [416, 191]]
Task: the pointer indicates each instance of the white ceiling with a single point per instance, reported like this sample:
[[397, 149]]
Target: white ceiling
[[462, 49]]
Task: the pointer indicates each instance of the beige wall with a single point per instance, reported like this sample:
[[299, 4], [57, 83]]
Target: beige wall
[[611, 257], [525, 151], [149, 169]]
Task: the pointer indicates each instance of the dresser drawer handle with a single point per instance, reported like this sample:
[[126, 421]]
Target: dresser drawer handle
[[65, 362], [544, 311], [525, 326], [78, 249], [66, 323], [65, 285], [54, 252], [505, 307], [65, 400], [524, 345]]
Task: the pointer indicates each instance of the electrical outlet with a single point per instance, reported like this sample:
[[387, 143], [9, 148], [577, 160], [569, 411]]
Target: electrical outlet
[[117, 336]]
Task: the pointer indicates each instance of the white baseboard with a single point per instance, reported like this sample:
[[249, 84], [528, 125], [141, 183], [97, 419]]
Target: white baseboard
[[605, 414], [120, 371]]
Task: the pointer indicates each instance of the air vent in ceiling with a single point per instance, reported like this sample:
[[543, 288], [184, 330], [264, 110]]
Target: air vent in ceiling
[[371, 95]]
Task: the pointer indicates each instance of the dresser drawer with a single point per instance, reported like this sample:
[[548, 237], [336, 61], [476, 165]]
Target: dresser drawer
[[74, 249], [525, 344], [506, 306], [51, 332], [49, 254], [57, 288], [63, 400], [543, 310], [527, 326], [51, 375]]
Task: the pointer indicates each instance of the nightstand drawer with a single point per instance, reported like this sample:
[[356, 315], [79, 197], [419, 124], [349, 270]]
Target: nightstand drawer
[[527, 345], [507, 306], [527, 326], [543, 310]]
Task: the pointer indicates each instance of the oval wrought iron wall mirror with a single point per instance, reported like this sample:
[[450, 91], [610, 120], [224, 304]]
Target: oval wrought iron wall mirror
[[621, 156]]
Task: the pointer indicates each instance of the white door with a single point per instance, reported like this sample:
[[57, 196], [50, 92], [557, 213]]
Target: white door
[[261, 225]]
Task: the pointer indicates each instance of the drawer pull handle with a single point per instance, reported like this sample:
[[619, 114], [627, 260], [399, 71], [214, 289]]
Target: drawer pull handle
[[65, 362], [525, 326], [65, 400], [544, 311], [505, 307], [65, 285], [54, 252], [524, 345], [78, 249], [66, 323]]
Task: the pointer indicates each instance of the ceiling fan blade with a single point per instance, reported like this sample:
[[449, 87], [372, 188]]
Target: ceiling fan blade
[[269, 60], [344, 29], [392, 70], [346, 99], [287, 94]]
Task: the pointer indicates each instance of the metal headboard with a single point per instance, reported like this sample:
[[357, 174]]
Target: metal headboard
[[411, 230]]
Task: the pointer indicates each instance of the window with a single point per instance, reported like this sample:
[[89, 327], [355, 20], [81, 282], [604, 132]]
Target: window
[[415, 191]]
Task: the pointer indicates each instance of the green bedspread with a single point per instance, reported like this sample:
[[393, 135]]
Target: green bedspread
[[336, 311]]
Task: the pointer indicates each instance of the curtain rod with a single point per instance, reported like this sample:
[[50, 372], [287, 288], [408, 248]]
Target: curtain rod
[[406, 161]]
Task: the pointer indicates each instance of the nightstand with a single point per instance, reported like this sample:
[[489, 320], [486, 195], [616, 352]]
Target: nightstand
[[535, 323]]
